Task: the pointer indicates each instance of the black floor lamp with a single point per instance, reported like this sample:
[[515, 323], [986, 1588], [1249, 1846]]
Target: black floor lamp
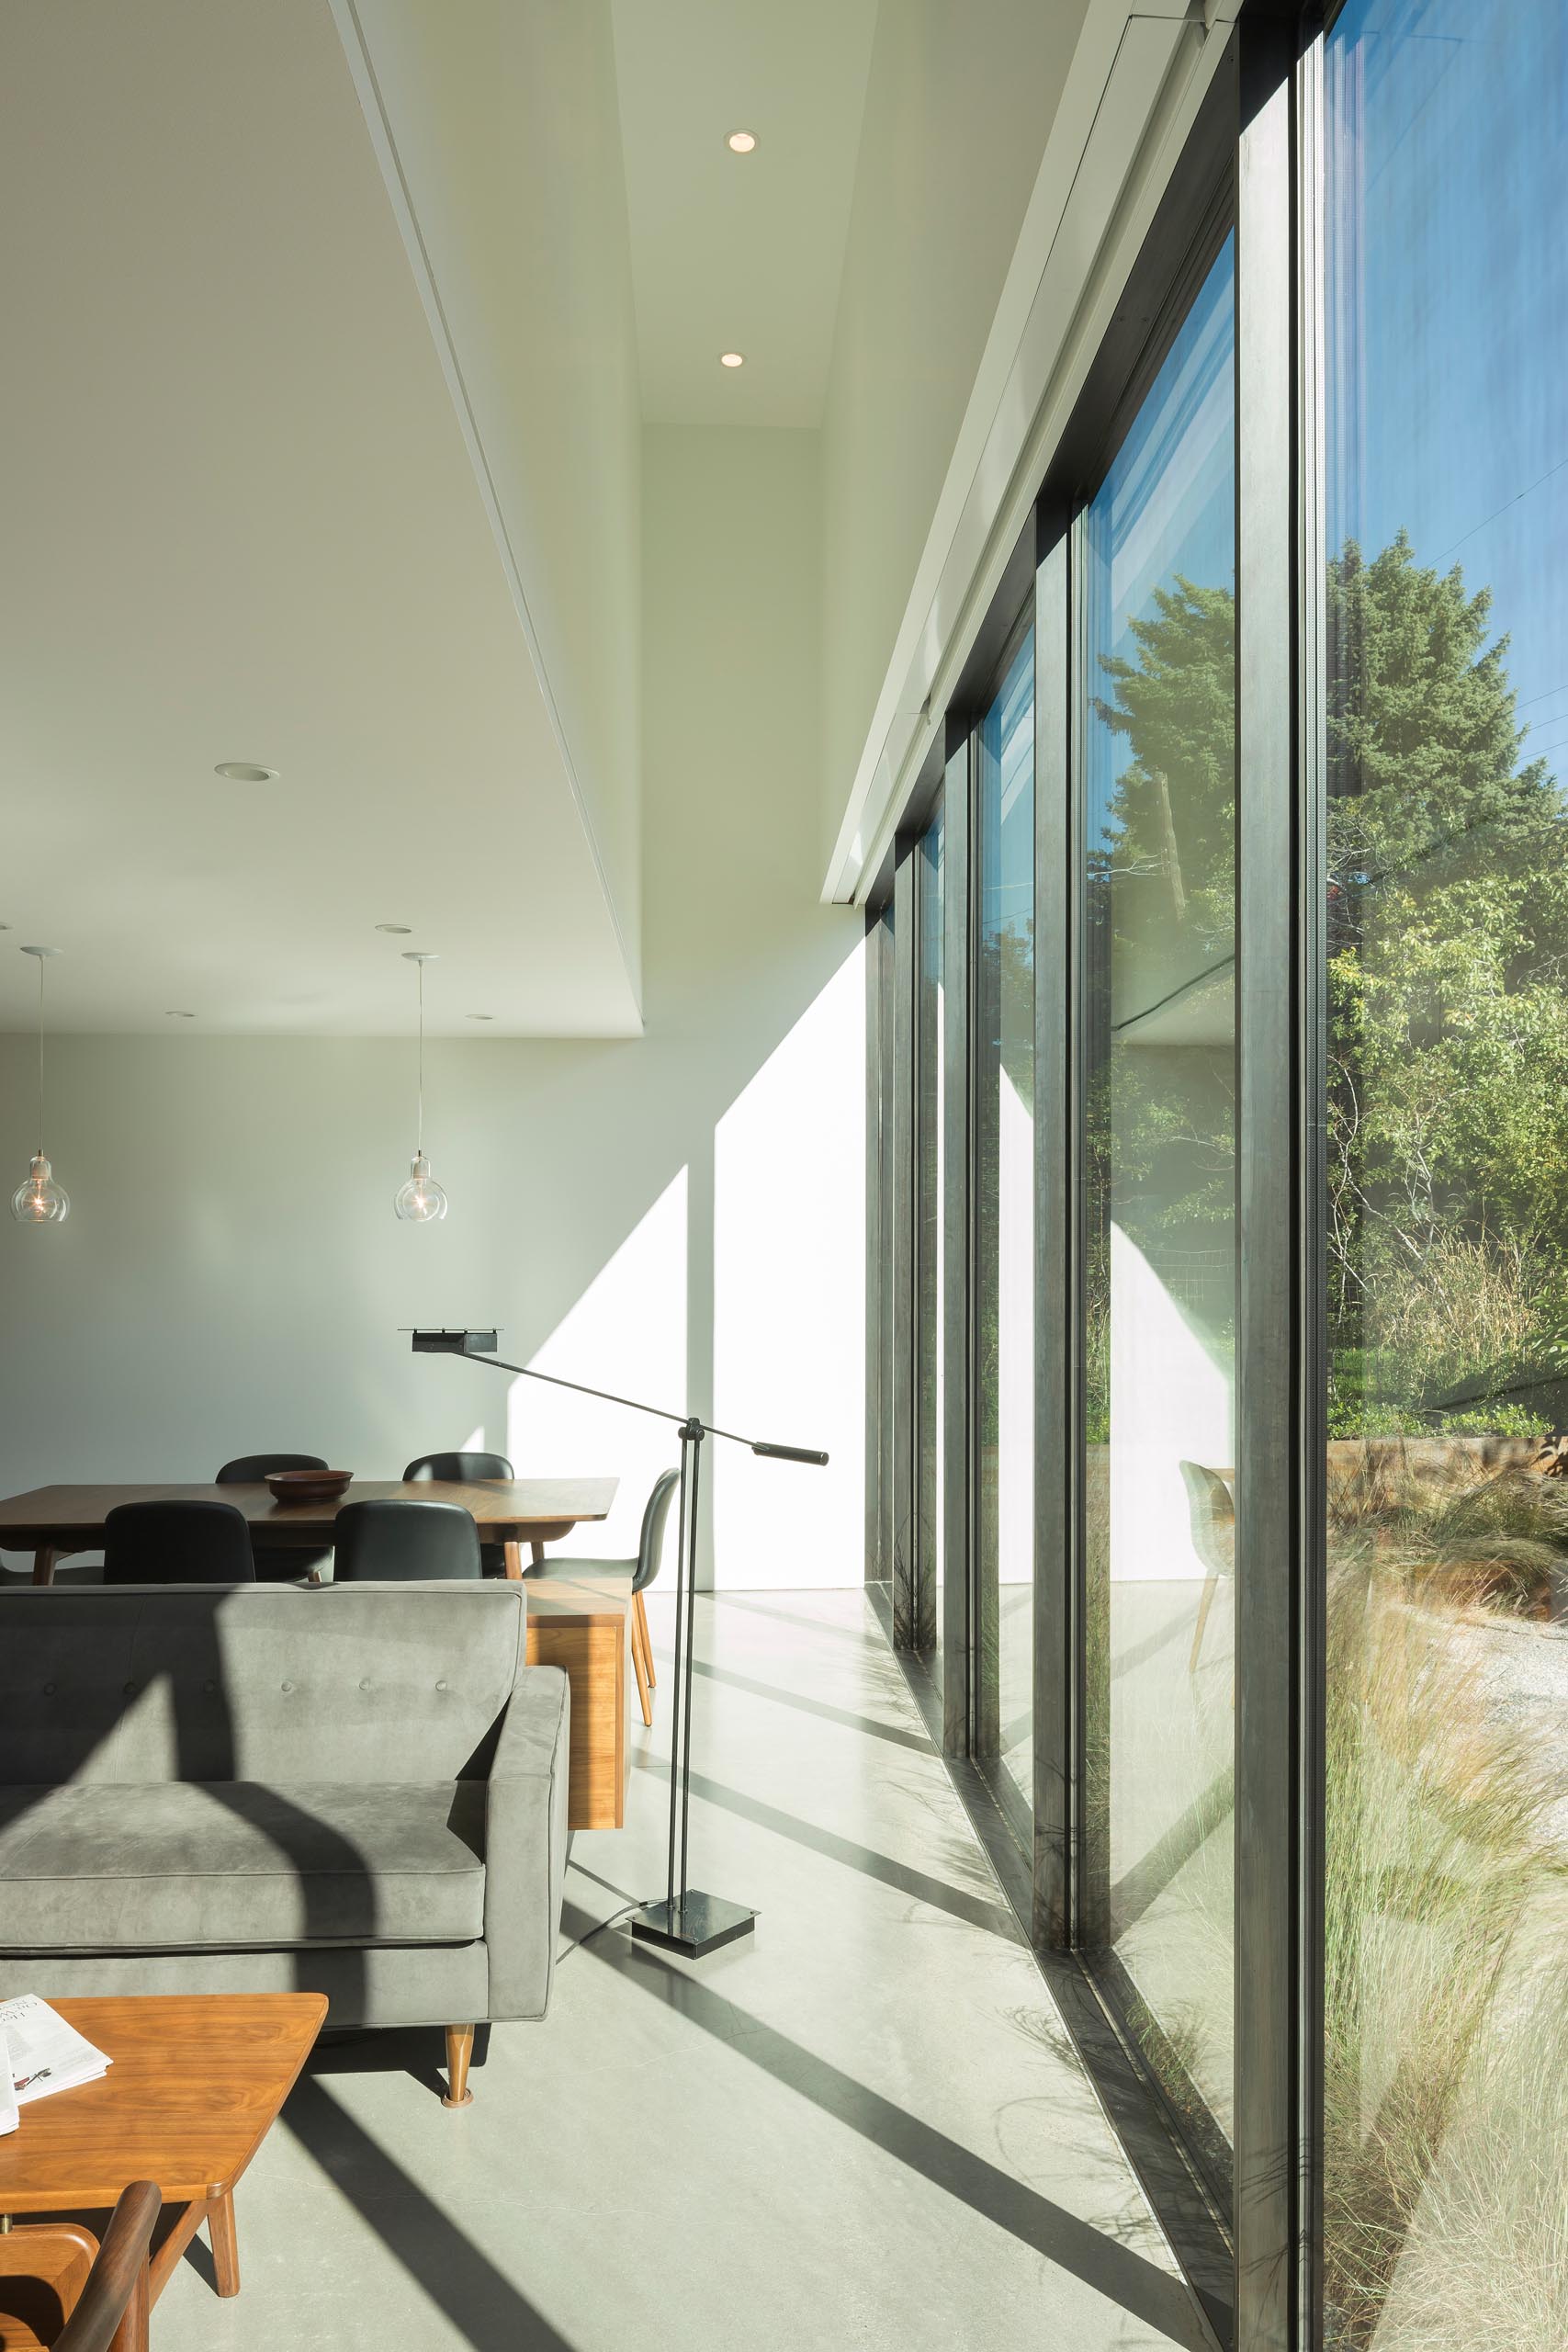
[[687, 1920]]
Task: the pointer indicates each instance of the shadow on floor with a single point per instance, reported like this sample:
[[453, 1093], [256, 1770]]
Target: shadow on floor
[[975, 1910], [457, 2278], [867, 1725], [1126, 2279]]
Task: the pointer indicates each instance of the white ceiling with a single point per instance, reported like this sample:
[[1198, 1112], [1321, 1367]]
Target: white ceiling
[[240, 524], [739, 252]]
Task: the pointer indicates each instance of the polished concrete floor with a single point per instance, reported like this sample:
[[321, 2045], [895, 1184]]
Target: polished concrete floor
[[862, 2128]]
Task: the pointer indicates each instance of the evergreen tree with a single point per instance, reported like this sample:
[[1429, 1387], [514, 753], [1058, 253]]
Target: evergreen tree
[[1448, 973]]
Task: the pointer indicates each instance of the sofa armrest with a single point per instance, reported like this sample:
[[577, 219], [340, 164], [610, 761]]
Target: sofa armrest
[[526, 1842]]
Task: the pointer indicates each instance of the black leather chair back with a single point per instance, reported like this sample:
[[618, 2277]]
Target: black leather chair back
[[250, 1469], [650, 1543], [276, 1562], [394, 1543], [458, 1468], [177, 1543]]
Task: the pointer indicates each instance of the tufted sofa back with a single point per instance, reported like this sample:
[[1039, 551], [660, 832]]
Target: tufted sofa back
[[264, 1683]]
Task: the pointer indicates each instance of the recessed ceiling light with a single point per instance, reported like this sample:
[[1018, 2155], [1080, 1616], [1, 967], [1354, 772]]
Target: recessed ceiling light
[[179, 1016], [245, 771], [481, 1017], [397, 929], [732, 359], [741, 142]]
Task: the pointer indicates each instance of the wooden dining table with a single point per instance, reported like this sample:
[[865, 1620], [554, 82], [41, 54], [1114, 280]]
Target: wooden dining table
[[50, 1521]]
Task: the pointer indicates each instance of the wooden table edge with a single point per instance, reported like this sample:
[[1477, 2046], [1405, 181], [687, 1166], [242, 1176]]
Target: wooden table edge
[[15, 2197]]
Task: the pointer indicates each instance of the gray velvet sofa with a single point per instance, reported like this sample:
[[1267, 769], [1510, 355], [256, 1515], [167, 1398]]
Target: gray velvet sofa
[[358, 1790]]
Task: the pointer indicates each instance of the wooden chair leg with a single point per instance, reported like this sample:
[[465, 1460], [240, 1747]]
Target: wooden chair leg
[[225, 2244], [641, 1672], [459, 2050], [1204, 1605], [639, 1610]]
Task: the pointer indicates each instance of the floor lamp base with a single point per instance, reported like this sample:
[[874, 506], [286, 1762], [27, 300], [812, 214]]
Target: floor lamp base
[[699, 1924]]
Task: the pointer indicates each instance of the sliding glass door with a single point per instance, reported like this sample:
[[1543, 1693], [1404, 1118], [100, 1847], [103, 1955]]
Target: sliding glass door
[[930, 899], [1237, 1146], [1445, 883], [1159, 1288], [1002, 1732]]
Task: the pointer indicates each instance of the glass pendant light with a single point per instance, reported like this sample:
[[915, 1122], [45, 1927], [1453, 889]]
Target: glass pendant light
[[41, 1200], [421, 1200]]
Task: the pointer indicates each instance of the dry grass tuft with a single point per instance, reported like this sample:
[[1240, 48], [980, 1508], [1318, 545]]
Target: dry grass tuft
[[1435, 1852]]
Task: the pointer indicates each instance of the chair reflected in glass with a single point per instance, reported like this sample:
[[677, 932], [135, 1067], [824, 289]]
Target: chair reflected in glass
[[461, 1469], [177, 1543], [276, 1562], [1214, 1539], [394, 1543]]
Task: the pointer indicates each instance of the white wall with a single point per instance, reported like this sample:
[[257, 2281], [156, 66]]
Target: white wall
[[680, 1214], [959, 105], [498, 133]]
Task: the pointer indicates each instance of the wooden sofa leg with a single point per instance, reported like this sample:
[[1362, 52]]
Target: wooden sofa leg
[[459, 2050]]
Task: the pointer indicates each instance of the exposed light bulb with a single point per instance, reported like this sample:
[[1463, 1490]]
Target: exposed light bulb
[[420, 1201], [41, 1200]]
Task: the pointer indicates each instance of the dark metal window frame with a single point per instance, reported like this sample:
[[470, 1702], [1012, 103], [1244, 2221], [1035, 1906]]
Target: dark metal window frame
[[1187, 2182], [1252, 167], [984, 1743]]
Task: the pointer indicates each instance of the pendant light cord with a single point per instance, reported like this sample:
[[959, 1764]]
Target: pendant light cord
[[420, 1142], [42, 1124]]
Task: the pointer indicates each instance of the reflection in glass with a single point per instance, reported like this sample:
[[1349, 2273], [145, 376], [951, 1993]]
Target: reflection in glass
[[1158, 567], [1004, 1235], [929, 1098], [1446, 1999]]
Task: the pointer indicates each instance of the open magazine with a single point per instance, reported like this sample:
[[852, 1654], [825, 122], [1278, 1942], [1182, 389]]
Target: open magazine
[[40, 2054]]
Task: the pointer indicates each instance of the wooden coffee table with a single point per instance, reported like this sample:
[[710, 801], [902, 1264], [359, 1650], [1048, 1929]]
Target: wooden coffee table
[[196, 2083]]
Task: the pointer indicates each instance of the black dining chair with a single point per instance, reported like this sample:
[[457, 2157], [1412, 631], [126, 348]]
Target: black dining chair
[[276, 1562], [644, 1568], [457, 1469], [392, 1542], [177, 1543]]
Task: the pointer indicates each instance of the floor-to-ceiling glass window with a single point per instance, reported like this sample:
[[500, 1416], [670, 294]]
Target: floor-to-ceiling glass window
[[1157, 570], [1446, 2142], [1003, 1731], [881, 1215], [930, 1240]]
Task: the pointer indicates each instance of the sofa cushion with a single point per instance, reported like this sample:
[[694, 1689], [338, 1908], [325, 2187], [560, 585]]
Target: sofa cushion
[[223, 1865]]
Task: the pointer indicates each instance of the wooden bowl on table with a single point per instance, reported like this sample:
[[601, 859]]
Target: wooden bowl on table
[[309, 1485]]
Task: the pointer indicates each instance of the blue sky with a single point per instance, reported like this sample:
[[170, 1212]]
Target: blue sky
[[1447, 345], [1167, 505]]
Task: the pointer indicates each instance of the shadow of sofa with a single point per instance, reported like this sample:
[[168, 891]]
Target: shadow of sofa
[[358, 1790]]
